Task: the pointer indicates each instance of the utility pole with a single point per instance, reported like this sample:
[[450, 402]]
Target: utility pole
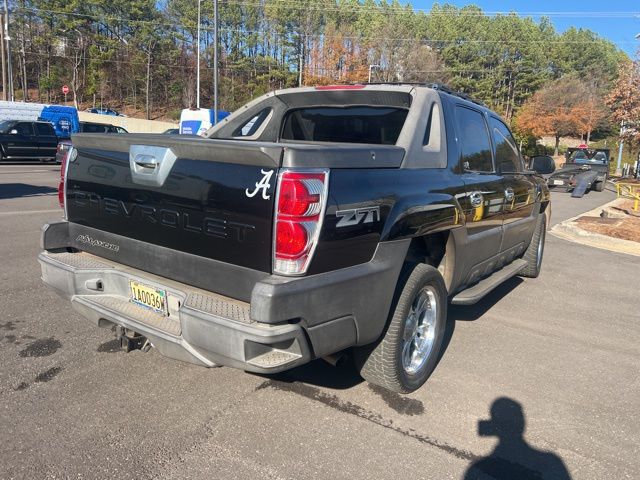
[[618, 166], [215, 62], [4, 61], [198, 60], [371, 67], [301, 61], [8, 40]]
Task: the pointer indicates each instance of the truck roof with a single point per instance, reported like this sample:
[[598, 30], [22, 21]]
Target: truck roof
[[405, 87]]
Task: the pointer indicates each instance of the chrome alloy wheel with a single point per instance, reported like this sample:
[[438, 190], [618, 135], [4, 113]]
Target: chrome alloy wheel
[[419, 331]]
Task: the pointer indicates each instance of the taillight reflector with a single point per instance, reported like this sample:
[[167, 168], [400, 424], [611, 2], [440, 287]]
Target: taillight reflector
[[63, 167], [301, 199], [64, 155]]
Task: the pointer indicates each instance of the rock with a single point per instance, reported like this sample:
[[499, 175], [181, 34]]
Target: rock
[[609, 212]]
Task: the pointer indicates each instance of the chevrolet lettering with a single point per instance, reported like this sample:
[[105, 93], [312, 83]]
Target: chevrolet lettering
[[166, 217]]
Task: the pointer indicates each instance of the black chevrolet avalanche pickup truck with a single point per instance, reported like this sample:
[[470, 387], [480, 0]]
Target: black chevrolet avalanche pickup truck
[[312, 223], [21, 139]]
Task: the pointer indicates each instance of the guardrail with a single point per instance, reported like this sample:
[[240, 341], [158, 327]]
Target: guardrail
[[133, 125], [629, 190]]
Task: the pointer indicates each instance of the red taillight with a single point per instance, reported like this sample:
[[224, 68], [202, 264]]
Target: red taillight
[[62, 156], [63, 166], [291, 239], [299, 193], [299, 209]]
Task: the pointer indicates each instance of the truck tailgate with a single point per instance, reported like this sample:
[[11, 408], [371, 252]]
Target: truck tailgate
[[193, 195]]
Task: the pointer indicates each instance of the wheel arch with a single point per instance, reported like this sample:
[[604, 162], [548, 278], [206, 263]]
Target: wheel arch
[[437, 249], [545, 209]]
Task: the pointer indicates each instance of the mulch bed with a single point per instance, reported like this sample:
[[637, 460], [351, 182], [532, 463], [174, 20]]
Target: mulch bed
[[625, 228]]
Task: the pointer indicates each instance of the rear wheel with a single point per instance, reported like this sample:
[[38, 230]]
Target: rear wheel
[[404, 358], [533, 254]]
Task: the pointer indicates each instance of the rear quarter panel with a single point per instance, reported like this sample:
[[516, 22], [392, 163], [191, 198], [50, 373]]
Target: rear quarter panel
[[408, 206]]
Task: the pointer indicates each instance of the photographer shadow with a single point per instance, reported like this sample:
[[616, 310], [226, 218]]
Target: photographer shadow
[[513, 458]]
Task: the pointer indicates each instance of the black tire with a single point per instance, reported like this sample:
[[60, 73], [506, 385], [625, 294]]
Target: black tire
[[535, 250], [382, 362], [598, 186]]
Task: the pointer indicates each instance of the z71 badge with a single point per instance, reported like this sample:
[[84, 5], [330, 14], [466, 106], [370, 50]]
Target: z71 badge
[[356, 216]]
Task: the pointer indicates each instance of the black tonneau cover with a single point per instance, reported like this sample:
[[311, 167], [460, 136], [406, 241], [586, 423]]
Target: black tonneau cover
[[261, 154]]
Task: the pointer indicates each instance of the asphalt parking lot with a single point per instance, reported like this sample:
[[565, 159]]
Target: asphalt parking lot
[[543, 374]]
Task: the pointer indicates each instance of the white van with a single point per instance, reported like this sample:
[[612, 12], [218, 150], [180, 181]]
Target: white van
[[196, 121]]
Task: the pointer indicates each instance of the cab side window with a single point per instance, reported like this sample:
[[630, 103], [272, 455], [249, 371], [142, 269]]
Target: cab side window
[[24, 128], [44, 129], [507, 157], [473, 136]]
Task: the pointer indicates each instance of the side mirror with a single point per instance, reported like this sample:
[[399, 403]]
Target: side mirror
[[543, 165], [13, 131]]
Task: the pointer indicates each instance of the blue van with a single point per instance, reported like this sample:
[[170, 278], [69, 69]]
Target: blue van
[[64, 119]]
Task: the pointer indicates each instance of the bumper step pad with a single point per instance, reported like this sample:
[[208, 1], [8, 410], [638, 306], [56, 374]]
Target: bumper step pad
[[219, 306]]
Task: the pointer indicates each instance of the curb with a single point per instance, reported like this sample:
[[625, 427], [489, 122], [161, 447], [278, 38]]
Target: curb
[[568, 230]]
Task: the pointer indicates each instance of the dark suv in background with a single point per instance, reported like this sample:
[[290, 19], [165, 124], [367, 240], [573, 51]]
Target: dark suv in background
[[27, 140]]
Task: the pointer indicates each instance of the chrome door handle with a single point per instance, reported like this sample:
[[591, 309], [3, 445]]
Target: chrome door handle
[[508, 194], [476, 199], [146, 161]]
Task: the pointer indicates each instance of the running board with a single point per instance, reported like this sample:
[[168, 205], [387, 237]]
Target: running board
[[474, 294]]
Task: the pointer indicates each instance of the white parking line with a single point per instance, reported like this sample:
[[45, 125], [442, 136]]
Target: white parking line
[[4, 172], [26, 212]]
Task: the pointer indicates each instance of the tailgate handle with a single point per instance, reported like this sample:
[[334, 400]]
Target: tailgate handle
[[150, 164], [146, 161]]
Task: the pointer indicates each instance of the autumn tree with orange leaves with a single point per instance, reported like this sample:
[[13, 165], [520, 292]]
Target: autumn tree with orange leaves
[[567, 106], [624, 100], [339, 56]]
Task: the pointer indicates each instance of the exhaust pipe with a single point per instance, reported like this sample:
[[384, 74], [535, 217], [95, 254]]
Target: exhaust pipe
[[338, 359]]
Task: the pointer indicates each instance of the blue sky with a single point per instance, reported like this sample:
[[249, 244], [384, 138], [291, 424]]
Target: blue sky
[[615, 20]]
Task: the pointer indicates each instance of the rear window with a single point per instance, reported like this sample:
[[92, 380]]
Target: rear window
[[356, 124]]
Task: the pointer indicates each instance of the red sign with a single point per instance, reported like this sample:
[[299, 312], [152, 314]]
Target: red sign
[[65, 89]]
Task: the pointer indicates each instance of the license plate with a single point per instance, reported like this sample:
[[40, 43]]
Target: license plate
[[150, 297], [558, 182]]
